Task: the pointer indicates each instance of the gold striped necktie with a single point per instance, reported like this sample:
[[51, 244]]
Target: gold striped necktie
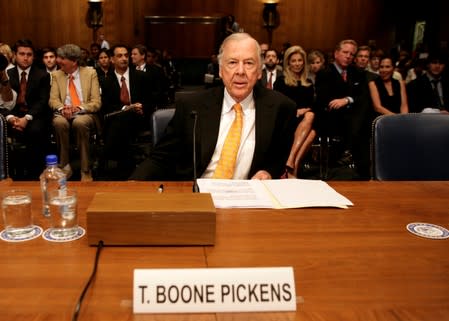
[[226, 163]]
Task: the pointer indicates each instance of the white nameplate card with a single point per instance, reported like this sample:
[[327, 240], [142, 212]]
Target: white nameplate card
[[214, 290]]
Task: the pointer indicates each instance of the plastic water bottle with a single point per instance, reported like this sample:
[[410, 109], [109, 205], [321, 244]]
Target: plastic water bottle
[[52, 178]]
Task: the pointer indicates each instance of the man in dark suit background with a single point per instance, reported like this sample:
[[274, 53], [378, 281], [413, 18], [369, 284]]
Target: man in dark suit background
[[124, 117], [29, 120], [430, 91], [272, 70], [343, 106], [268, 123]]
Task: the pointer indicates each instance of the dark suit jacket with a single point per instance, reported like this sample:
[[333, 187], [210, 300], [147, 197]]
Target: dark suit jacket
[[37, 93], [420, 94], [264, 79], [120, 130], [329, 85], [172, 158], [353, 122], [138, 83]]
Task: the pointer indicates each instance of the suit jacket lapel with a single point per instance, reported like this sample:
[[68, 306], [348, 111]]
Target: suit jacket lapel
[[209, 114], [84, 84], [265, 120], [14, 79], [62, 80]]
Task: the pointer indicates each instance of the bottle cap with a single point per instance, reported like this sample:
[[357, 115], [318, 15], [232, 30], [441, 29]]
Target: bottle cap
[[51, 159]]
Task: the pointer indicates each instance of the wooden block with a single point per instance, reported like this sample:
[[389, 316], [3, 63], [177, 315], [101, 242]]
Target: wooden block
[[127, 218]]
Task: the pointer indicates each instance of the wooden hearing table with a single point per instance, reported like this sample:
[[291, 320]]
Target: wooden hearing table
[[355, 264]]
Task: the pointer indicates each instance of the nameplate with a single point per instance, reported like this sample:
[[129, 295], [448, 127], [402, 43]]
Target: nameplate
[[214, 290]]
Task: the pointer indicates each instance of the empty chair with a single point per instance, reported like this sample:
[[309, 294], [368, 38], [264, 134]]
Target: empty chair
[[411, 147], [159, 121]]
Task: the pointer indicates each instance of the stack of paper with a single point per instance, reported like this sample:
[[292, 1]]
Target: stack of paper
[[276, 193]]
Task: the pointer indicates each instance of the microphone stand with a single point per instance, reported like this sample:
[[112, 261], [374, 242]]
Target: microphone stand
[[195, 187]]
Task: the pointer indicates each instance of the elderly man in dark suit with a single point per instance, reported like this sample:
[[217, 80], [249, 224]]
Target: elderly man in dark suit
[[29, 120], [267, 124]]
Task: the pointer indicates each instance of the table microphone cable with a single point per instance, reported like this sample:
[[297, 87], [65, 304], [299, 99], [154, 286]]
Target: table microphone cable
[[86, 287]]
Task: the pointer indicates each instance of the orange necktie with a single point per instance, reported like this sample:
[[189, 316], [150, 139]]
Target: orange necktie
[[226, 163], [73, 94], [124, 94]]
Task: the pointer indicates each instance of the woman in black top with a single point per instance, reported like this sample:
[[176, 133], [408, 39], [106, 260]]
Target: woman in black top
[[388, 94]]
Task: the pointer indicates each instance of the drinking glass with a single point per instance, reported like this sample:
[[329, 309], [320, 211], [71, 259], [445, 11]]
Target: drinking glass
[[17, 215], [63, 213]]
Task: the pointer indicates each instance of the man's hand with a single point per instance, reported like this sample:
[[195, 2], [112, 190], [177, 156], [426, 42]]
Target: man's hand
[[137, 108], [18, 124], [261, 175], [338, 103], [69, 112]]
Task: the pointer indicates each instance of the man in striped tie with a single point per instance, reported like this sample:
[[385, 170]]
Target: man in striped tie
[[242, 129]]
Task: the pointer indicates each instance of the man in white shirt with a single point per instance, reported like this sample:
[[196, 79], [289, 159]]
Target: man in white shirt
[[269, 121], [271, 69]]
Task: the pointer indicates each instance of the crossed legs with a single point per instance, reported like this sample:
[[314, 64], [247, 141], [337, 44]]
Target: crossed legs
[[304, 137]]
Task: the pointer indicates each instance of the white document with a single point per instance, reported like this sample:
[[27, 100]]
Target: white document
[[276, 193]]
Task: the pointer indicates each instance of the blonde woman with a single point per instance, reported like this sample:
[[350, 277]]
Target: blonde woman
[[316, 63], [6, 51], [295, 84]]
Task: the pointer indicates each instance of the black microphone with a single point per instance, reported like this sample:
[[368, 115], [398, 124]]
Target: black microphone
[[194, 115]]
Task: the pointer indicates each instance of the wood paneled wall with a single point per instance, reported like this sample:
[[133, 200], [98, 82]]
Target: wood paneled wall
[[310, 23]]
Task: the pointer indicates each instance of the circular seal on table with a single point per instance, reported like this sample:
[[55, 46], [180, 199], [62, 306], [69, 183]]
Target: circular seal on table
[[427, 230]]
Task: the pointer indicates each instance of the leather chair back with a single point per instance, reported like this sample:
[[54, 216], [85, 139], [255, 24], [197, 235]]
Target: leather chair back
[[159, 121], [411, 147]]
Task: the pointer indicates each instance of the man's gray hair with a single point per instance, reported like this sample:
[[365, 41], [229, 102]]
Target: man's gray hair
[[238, 36], [70, 51]]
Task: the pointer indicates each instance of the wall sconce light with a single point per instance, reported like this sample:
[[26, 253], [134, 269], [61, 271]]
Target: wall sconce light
[[94, 16], [271, 17]]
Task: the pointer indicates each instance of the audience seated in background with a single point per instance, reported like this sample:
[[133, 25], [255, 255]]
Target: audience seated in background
[[316, 62], [161, 92], [430, 91], [126, 107], [271, 69], [295, 84], [104, 66], [263, 122], [49, 59], [343, 104], [374, 63], [8, 96], [389, 95], [6, 50], [29, 120], [212, 77], [139, 57], [74, 100]]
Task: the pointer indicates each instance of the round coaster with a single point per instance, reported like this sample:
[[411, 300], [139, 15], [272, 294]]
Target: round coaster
[[427, 230], [35, 232], [50, 236]]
